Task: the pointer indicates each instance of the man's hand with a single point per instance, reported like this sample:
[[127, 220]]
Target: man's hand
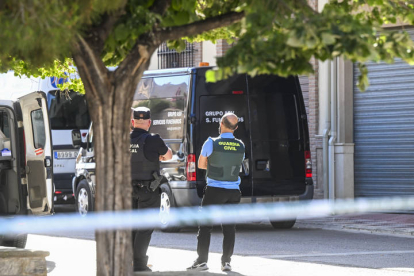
[[166, 156]]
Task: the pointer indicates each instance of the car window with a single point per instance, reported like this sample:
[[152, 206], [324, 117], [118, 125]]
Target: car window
[[38, 125], [166, 97], [68, 111], [4, 124]]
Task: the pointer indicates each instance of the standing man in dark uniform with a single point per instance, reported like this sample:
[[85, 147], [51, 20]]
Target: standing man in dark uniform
[[222, 158], [147, 150]]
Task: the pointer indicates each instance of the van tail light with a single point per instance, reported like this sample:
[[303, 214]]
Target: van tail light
[[308, 164], [191, 167]]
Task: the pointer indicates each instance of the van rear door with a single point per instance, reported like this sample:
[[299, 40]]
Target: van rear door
[[214, 100], [38, 152], [278, 154]]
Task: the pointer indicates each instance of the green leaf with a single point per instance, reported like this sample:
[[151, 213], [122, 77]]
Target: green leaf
[[121, 32], [294, 41], [328, 38], [181, 18], [176, 5], [210, 76]]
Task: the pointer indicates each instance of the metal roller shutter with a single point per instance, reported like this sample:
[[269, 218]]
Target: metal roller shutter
[[384, 131]]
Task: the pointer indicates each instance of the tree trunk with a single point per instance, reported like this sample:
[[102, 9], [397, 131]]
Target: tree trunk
[[109, 95], [113, 188]]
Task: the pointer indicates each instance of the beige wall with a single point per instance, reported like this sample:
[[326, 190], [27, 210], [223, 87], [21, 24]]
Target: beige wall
[[209, 53], [154, 61]]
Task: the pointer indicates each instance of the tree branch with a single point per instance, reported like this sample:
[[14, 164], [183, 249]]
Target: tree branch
[[97, 34], [198, 27]]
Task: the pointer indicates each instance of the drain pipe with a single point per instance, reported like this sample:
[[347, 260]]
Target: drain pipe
[[326, 136], [332, 140]]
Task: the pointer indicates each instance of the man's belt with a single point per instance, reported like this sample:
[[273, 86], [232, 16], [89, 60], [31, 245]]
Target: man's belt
[[141, 183], [151, 185]]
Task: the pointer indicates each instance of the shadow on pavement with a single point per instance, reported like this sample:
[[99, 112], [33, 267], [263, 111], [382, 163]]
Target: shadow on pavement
[[186, 273], [50, 266], [65, 208]]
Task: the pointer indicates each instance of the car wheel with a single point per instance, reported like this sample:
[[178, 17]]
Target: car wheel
[[167, 202], [84, 199], [284, 224], [18, 241]]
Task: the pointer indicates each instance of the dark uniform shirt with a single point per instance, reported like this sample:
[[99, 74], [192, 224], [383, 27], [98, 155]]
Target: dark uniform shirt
[[154, 145]]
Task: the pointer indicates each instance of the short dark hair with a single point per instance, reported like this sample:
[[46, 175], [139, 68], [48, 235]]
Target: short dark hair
[[229, 125]]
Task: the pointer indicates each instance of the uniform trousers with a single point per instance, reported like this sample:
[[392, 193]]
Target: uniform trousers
[[217, 196], [141, 238]]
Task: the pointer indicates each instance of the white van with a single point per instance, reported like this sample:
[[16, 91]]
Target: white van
[[66, 112], [26, 164]]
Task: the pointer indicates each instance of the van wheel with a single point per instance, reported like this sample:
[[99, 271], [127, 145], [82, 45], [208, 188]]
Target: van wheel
[[284, 224], [167, 202], [84, 199], [18, 241]]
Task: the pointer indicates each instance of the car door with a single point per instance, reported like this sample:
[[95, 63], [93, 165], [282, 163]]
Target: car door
[[215, 100], [278, 157], [38, 153]]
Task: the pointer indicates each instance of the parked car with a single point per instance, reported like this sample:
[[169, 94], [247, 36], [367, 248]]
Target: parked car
[[26, 164], [186, 110]]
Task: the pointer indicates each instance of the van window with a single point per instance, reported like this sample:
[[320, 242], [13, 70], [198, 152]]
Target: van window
[[38, 124], [166, 98], [4, 124], [275, 116], [274, 108], [68, 111]]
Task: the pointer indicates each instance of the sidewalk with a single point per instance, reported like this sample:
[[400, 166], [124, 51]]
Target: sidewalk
[[78, 257], [375, 223], [70, 257]]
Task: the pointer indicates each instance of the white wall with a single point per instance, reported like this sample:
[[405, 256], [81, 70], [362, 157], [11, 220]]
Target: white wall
[[324, 75], [154, 61], [209, 53]]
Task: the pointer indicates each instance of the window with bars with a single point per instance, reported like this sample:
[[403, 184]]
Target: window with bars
[[170, 58]]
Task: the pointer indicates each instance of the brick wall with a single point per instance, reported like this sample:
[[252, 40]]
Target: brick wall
[[222, 46], [313, 123], [198, 53], [313, 119]]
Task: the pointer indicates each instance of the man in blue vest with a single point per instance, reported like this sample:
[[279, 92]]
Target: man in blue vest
[[147, 150], [222, 158]]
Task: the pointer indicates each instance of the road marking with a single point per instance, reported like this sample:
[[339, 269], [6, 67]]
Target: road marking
[[337, 254]]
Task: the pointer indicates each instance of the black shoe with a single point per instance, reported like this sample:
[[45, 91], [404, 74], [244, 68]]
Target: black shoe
[[147, 269], [226, 267], [198, 266]]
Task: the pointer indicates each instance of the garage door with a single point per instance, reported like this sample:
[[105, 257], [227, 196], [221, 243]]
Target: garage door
[[384, 131]]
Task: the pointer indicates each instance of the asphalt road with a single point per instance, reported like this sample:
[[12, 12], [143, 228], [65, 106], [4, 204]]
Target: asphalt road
[[298, 245]]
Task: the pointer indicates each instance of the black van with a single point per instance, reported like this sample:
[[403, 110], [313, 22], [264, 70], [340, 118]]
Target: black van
[[26, 169], [186, 110]]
